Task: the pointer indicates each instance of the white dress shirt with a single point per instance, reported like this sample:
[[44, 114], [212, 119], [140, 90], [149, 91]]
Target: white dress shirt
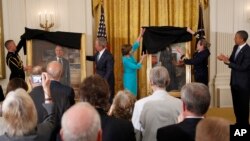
[[100, 54]]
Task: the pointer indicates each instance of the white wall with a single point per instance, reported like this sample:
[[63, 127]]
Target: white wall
[[226, 18], [71, 16]]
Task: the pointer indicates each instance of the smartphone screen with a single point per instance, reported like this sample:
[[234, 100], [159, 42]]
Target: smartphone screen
[[37, 79]]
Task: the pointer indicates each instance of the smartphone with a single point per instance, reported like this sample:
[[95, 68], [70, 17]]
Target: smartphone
[[36, 79]]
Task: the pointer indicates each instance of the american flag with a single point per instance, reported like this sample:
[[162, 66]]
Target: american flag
[[102, 28], [200, 31]]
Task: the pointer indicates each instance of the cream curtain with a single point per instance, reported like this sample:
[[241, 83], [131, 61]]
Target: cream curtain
[[125, 17]]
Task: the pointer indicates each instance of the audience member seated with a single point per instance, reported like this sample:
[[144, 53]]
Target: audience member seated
[[37, 92], [159, 113], [20, 117], [55, 69], [213, 129], [95, 90], [196, 101], [89, 127], [16, 83], [62, 95], [123, 105], [159, 80]]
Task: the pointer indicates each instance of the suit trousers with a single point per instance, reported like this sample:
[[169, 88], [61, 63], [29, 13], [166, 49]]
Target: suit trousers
[[240, 99]]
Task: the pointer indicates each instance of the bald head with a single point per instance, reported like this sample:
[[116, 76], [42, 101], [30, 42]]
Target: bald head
[[54, 69], [89, 127]]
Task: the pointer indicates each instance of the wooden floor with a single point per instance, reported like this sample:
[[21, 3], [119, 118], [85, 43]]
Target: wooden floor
[[226, 113]]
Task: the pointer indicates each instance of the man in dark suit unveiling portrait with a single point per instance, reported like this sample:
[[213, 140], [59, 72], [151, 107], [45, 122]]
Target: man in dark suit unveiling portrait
[[239, 62], [104, 63]]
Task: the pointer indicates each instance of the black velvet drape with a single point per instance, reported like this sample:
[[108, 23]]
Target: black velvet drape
[[157, 38]]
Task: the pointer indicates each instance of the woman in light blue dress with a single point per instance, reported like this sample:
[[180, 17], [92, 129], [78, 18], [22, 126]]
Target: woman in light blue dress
[[130, 65]]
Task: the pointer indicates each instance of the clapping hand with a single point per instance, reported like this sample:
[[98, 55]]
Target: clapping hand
[[223, 58]]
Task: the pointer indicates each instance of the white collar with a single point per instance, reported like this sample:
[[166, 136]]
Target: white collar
[[101, 52], [241, 46]]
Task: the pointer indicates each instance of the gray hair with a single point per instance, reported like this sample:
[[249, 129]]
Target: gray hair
[[159, 76], [19, 113], [196, 97], [102, 41], [87, 129]]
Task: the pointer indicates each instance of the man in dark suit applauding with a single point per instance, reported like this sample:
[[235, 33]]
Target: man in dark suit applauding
[[239, 62], [104, 63], [196, 101]]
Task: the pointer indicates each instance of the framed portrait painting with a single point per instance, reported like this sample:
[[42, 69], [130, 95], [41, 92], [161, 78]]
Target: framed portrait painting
[[41, 52], [179, 73], [2, 55]]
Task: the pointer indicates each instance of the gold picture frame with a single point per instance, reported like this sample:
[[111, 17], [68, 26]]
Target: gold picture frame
[[2, 54], [181, 70], [31, 60]]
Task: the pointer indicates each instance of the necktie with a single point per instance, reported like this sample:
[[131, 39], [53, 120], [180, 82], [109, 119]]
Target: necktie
[[60, 60], [98, 56], [236, 53]]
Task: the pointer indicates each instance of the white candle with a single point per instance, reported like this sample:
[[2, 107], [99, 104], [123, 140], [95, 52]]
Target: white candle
[[51, 18], [45, 15], [40, 18]]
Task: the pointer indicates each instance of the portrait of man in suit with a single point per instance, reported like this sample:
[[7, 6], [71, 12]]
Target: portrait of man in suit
[[65, 78]]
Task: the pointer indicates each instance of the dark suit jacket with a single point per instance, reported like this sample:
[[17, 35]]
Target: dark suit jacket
[[62, 95], [200, 63], [105, 67], [59, 93], [183, 131], [42, 132], [240, 68], [115, 129]]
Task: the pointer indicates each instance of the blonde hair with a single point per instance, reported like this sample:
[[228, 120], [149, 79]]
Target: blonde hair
[[19, 113], [213, 129]]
